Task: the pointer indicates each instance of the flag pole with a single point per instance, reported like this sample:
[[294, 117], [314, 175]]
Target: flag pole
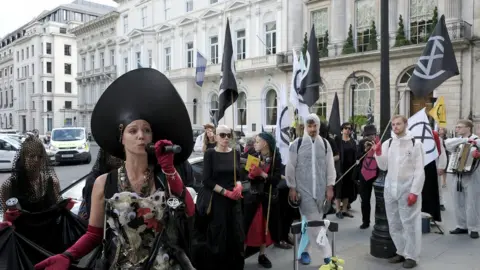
[[234, 147], [270, 191]]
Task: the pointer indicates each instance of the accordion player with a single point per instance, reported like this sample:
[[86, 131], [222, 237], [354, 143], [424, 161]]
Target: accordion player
[[461, 160]]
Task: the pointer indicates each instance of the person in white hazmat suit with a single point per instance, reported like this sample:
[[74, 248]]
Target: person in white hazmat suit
[[310, 174], [403, 159], [465, 188]]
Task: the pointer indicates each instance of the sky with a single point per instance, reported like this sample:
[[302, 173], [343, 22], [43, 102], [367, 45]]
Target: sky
[[15, 13]]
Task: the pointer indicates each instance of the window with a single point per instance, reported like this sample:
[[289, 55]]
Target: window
[[49, 67], [189, 5], [320, 107], [167, 4], [364, 94], [33, 105], [68, 69], [33, 88], [33, 69], [320, 22], [365, 14], [190, 55], [49, 105], [125, 24], [144, 16], [23, 54], [10, 120], [125, 64], [18, 56], [421, 23], [102, 60], [67, 49], [139, 59], [63, 30], [242, 109], [112, 57], [68, 105], [49, 86], [214, 106], [168, 58], [241, 45], [92, 62], [68, 122], [33, 50], [150, 58], [68, 87], [214, 50], [28, 52], [49, 48], [271, 108], [271, 38]]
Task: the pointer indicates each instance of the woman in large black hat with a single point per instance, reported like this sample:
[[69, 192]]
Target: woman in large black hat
[[143, 205]]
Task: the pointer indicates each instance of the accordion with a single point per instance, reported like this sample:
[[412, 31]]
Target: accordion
[[461, 161]]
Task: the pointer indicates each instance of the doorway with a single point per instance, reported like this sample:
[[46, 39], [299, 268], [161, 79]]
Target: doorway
[[417, 103]]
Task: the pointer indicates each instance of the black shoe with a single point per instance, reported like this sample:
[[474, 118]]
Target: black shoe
[[396, 259], [459, 231], [442, 207], [339, 215], [409, 263], [346, 214], [364, 226], [474, 235], [264, 261]]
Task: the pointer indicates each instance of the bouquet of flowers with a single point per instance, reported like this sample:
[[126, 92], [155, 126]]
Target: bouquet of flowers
[[333, 263]]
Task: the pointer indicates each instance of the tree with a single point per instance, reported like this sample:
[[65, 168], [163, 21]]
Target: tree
[[372, 42], [434, 21], [400, 38], [323, 51], [348, 47], [305, 46]]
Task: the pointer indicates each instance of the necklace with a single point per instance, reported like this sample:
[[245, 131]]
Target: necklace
[[125, 184]]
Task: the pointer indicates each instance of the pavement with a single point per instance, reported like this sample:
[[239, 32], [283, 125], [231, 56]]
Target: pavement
[[439, 252]]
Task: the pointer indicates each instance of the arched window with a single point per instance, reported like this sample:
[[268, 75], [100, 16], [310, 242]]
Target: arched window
[[364, 95], [242, 109], [406, 76], [214, 106], [320, 107], [10, 120], [271, 108], [421, 20]]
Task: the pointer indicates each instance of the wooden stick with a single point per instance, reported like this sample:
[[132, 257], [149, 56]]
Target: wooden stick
[[270, 192], [234, 148]]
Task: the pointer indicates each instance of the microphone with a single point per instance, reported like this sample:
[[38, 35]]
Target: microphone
[[150, 148]]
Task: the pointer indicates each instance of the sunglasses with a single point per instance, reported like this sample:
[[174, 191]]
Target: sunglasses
[[223, 135]]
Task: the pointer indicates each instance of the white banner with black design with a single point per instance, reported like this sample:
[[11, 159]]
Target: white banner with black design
[[419, 127], [283, 125]]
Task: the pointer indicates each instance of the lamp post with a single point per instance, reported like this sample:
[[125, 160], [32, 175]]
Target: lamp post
[[381, 244], [353, 86]]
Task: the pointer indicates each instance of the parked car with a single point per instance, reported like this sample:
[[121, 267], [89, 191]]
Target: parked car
[[8, 150], [70, 144]]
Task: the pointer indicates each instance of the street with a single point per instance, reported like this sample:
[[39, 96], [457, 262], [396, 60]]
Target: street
[[352, 244]]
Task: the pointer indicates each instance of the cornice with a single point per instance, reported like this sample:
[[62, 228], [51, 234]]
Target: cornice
[[95, 24]]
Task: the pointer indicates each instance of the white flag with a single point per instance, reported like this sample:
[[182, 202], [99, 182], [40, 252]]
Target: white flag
[[283, 125], [298, 70], [420, 129]]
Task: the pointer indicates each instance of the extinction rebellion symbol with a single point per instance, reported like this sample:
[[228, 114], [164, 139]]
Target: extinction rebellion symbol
[[426, 129], [427, 69]]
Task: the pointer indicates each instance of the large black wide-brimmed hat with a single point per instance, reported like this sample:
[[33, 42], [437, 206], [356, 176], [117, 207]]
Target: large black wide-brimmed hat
[[142, 94]]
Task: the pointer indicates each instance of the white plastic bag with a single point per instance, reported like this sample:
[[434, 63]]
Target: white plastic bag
[[322, 241]]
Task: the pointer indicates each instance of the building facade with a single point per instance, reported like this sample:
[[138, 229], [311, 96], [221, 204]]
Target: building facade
[[43, 65], [96, 51], [166, 36]]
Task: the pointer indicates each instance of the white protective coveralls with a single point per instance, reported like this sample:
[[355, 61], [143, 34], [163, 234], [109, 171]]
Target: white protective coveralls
[[404, 163], [441, 163], [198, 147], [466, 202], [310, 171]]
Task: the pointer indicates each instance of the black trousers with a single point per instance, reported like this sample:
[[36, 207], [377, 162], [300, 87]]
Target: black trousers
[[366, 188]]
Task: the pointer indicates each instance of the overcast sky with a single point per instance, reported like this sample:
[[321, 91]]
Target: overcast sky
[[15, 13]]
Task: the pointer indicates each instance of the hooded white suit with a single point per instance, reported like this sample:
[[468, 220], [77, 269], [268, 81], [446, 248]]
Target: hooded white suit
[[466, 202], [310, 171], [404, 162]]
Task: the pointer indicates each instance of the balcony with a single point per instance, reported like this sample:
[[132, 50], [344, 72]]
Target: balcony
[[245, 65], [181, 73], [7, 58], [460, 34]]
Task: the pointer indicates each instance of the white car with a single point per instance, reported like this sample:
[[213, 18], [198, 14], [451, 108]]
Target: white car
[[8, 150]]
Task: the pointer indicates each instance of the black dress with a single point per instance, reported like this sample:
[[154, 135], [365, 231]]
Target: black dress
[[222, 227], [346, 188]]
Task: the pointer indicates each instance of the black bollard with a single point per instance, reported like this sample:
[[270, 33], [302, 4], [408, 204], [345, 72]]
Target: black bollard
[[381, 244]]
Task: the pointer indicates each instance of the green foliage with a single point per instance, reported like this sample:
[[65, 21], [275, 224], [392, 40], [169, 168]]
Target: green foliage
[[321, 114], [348, 47], [323, 49], [305, 46], [400, 38], [431, 27], [372, 42], [359, 121]]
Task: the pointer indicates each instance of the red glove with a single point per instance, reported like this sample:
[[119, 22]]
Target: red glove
[[165, 160], [412, 199], [232, 195], [238, 189], [476, 154], [472, 141], [11, 215], [254, 172], [5, 224], [57, 262], [378, 147], [70, 204]]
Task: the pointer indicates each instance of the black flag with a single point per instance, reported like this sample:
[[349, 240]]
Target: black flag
[[437, 63], [334, 120], [228, 87], [310, 84]]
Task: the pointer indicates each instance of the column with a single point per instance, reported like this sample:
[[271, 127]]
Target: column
[[221, 37], [392, 20], [338, 30], [280, 22], [295, 23], [258, 34]]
